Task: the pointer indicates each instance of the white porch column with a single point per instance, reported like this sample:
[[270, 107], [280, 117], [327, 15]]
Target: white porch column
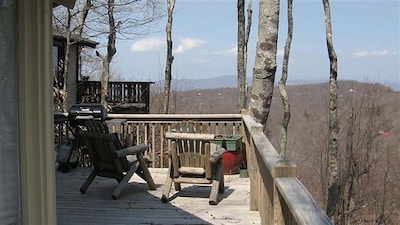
[[35, 112]]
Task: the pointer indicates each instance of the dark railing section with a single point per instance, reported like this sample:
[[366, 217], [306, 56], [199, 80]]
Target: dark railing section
[[123, 97]]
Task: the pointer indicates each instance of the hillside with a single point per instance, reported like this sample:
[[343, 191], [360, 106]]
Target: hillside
[[375, 134], [230, 81]]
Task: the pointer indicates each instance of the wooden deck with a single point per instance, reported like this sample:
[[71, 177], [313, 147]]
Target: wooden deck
[[138, 205]]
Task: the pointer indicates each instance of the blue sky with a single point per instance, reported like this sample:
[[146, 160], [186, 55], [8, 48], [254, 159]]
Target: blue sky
[[365, 35]]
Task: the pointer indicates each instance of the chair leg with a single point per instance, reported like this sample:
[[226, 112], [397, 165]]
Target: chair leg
[[222, 184], [167, 187], [216, 185], [125, 179], [146, 173], [177, 186], [88, 181]]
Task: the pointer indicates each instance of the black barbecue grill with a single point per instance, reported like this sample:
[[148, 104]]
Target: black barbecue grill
[[77, 115]]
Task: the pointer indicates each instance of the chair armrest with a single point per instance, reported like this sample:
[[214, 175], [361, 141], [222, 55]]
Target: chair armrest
[[215, 156], [130, 151]]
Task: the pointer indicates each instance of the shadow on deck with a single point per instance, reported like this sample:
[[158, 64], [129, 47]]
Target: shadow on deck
[[138, 205]]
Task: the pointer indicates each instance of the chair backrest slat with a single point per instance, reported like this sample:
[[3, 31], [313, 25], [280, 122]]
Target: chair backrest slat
[[192, 149], [100, 148]]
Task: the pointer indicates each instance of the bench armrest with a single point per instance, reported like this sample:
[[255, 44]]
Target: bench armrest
[[215, 156], [130, 151], [167, 154]]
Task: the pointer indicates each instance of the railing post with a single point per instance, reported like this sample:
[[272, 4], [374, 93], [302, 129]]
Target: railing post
[[252, 164], [283, 168]]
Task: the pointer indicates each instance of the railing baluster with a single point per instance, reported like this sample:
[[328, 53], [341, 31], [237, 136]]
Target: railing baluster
[[161, 146], [153, 144]]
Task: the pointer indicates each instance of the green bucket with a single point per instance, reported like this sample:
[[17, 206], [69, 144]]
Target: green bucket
[[244, 173]]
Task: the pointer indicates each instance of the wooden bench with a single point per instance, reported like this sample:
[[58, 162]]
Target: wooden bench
[[193, 162]]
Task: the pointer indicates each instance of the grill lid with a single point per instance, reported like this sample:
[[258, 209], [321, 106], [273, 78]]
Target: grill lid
[[87, 112]]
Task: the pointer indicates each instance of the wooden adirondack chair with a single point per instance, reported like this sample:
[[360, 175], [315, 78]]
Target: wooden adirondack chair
[[108, 159], [192, 162]]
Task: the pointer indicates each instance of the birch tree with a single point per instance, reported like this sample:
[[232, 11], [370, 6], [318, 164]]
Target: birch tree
[[265, 63], [87, 4], [240, 56], [333, 146], [243, 38], [282, 82], [170, 57]]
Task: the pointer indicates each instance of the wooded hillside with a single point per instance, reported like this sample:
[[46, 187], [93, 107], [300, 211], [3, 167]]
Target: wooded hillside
[[369, 139]]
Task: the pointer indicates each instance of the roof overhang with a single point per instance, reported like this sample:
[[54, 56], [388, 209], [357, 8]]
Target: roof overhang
[[75, 39], [67, 3]]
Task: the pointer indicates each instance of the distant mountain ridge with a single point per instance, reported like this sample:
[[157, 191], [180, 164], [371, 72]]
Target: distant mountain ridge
[[230, 81]]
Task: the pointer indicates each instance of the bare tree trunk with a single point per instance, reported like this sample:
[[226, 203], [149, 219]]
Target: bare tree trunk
[[382, 217], [66, 62], [361, 171], [333, 187], [170, 57], [83, 15], [282, 82], [246, 41], [346, 197], [243, 39], [68, 31], [111, 50], [241, 68], [265, 64]]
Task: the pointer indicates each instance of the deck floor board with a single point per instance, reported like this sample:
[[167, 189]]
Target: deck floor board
[[138, 205]]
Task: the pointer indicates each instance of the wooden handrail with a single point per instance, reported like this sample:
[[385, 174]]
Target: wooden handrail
[[189, 136], [276, 193], [304, 209], [177, 117]]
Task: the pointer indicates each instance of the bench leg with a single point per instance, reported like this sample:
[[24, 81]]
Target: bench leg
[[167, 187], [216, 185], [222, 184]]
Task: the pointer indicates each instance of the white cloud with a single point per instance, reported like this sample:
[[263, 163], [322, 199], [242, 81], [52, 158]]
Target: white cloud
[[363, 54], [380, 53], [200, 61], [187, 44], [231, 51], [148, 44]]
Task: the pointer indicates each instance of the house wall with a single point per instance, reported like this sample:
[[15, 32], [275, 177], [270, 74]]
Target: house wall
[[72, 75], [9, 151], [35, 112]]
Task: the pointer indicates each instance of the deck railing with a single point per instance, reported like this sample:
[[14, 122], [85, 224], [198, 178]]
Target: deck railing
[[120, 95], [150, 129], [275, 191]]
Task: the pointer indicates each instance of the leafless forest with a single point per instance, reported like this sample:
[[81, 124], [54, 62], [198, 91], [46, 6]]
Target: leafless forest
[[369, 140]]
